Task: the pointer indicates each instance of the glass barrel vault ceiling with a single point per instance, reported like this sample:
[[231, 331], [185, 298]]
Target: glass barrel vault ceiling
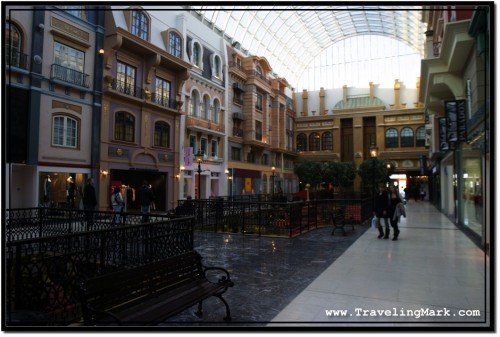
[[291, 36]]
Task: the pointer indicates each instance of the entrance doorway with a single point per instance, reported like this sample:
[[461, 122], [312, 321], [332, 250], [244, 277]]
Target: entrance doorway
[[134, 179]]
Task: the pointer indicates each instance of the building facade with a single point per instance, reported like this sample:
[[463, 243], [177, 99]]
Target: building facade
[[53, 83], [342, 124], [456, 94], [144, 74]]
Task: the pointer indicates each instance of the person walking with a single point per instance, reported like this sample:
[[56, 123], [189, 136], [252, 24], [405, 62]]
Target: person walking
[[382, 211], [118, 203], [89, 201], [145, 197], [396, 210]]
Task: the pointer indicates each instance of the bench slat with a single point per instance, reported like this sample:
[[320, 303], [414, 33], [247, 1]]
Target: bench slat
[[150, 293]]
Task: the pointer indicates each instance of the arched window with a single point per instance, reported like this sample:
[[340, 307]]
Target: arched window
[[140, 24], [197, 55], [258, 71], [407, 139], [216, 111], [391, 138], [421, 136], [194, 104], [13, 43], [64, 131], [162, 134], [314, 141], [301, 142], [217, 67], [205, 107], [124, 127], [326, 141], [174, 44]]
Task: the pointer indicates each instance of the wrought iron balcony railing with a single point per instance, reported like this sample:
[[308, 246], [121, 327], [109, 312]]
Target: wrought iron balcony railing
[[69, 75]]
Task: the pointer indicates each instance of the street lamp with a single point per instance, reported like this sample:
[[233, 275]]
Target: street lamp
[[199, 157], [373, 155], [273, 175]]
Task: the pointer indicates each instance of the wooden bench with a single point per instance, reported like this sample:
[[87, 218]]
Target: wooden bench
[[151, 293], [339, 222]]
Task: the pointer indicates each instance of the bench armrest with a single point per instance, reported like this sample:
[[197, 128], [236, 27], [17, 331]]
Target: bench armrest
[[220, 275], [91, 312]]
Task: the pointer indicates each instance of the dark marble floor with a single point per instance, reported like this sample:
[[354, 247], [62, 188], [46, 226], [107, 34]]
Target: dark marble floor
[[267, 272]]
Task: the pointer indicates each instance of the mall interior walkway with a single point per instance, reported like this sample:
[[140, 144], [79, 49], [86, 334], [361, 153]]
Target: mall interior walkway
[[434, 275]]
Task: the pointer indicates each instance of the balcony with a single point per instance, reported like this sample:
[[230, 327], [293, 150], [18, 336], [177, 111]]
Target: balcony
[[164, 101], [237, 132], [127, 89], [68, 75]]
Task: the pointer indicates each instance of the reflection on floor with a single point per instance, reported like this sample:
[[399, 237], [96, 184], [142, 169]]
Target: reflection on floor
[[268, 272]]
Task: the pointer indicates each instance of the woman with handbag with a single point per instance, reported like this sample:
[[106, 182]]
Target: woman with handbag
[[117, 203]]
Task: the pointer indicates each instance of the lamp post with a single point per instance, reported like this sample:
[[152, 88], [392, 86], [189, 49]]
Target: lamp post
[[273, 175], [199, 157], [373, 155]]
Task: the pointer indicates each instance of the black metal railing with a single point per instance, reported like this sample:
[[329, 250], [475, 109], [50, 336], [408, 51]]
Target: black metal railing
[[127, 89], [69, 75], [263, 215], [29, 223], [163, 101], [43, 274]]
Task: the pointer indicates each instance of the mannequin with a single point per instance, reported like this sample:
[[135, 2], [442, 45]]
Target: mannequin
[[70, 191], [47, 189]]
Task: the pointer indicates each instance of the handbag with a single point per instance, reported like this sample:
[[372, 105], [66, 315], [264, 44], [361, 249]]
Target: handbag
[[374, 222]]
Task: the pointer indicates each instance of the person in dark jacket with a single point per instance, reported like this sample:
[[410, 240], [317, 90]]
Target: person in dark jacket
[[382, 211], [89, 201], [395, 211], [145, 197]]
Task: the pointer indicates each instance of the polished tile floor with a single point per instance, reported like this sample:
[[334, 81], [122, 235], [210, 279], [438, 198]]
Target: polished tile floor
[[433, 276]]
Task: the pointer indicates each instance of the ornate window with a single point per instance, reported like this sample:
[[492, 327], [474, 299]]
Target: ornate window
[[175, 44], [68, 64], [205, 106], [125, 78], [13, 44], [162, 134], [217, 67], [78, 10], [301, 142], [421, 136], [326, 141], [194, 104], [162, 92], [197, 55], [140, 25], [391, 138], [314, 141], [64, 131], [407, 139], [216, 111], [124, 127]]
